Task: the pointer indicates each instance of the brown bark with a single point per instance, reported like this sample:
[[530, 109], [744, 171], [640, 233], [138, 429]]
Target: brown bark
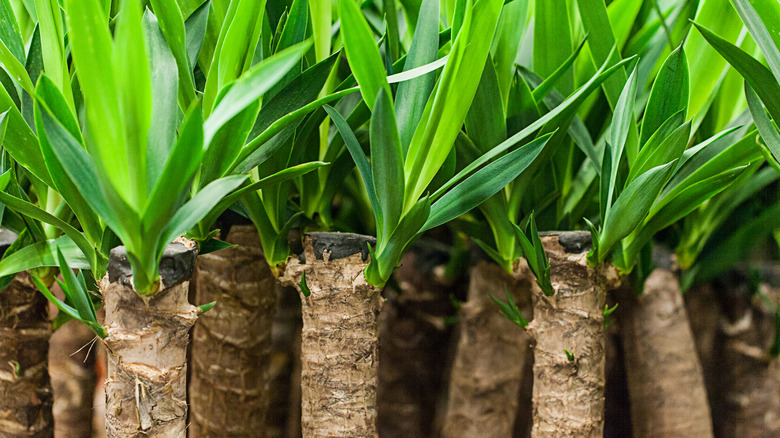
[[146, 387], [665, 380], [490, 357], [414, 343], [569, 394], [231, 351], [73, 377], [25, 392], [339, 341], [284, 419], [750, 377]]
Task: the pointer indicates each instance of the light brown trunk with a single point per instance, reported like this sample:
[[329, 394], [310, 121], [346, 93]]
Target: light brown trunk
[[569, 394], [25, 391], [231, 351], [490, 357], [414, 343], [73, 377], [750, 376], [665, 380], [146, 387], [339, 339]]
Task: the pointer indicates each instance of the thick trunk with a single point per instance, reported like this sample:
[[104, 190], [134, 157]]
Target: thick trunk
[[665, 380], [146, 387], [25, 392], [285, 394], [73, 378], [490, 357], [413, 344], [568, 329], [339, 339], [231, 351], [750, 396]]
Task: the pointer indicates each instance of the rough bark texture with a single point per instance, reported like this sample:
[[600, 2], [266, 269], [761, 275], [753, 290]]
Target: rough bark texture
[[339, 340], [73, 378], [147, 341], [490, 357], [568, 395], [665, 380], [25, 392], [413, 343], [750, 394], [231, 351]]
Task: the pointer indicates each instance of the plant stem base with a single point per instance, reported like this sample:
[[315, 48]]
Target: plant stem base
[[338, 346]]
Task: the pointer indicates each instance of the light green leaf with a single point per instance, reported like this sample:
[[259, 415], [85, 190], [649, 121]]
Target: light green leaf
[[387, 167], [42, 254], [632, 206], [250, 86], [362, 53], [484, 183], [669, 94]]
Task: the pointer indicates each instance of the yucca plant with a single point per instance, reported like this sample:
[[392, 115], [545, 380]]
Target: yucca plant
[[762, 89], [137, 173]]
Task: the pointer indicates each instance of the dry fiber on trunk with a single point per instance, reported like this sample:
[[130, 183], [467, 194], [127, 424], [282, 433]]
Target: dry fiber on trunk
[[72, 354], [414, 342], [665, 380], [568, 329], [231, 346], [490, 356], [25, 392], [339, 339], [750, 395], [146, 387]]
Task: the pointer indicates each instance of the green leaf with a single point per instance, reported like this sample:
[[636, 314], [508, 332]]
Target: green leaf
[[485, 121], [384, 263], [235, 47], [165, 110], [759, 77], [362, 53], [632, 206], [197, 208], [172, 26], [88, 219], [552, 41], [763, 27], [250, 86], [765, 127], [657, 153], [617, 136], [436, 133], [42, 254], [195, 31], [413, 94], [92, 51], [510, 310], [304, 287], [551, 81], [203, 308], [16, 69], [484, 183], [9, 31], [707, 67], [669, 94], [269, 181], [76, 294], [81, 169], [28, 209], [562, 111], [361, 162], [213, 245], [176, 177], [387, 167], [20, 141]]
